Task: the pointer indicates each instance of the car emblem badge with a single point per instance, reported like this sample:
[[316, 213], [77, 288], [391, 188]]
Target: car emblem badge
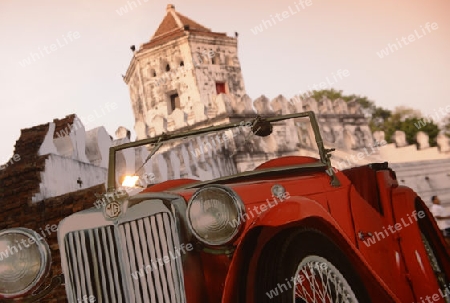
[[112, 210], [278, 190]]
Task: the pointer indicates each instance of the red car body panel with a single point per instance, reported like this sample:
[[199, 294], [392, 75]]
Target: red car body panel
[[390, 269]]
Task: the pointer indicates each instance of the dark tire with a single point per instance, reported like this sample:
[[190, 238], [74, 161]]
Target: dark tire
[[308, 255], [435, 264]]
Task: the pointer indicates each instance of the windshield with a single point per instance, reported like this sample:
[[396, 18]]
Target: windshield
[[240, 146]]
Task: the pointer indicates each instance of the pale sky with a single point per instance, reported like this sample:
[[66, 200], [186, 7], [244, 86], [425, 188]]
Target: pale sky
[[82, 74]]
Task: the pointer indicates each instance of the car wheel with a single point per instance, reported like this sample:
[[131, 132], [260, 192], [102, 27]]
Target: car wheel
[[305, 266], [438, 272], [429, 238]]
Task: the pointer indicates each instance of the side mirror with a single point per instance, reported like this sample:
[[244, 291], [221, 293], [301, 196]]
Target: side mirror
[[262, 128]]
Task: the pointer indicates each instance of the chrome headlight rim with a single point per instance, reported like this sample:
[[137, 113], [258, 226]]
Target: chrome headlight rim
[[45, 259], [238, 204]]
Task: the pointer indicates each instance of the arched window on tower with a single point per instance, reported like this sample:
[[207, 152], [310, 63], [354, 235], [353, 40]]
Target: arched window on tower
[[173, 102], [215, 57], [167, 67]]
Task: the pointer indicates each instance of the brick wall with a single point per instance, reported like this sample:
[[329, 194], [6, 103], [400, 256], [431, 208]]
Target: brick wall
[[51, 211], [20, 180]]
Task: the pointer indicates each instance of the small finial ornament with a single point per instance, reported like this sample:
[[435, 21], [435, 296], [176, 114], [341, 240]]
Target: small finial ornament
[[170, 7]]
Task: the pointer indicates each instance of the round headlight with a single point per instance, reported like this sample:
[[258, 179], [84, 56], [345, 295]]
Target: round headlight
[[214, 214], [24, 261]]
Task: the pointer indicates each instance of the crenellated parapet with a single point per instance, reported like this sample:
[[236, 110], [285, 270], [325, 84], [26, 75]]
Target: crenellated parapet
[[73, 158], [342, 123]]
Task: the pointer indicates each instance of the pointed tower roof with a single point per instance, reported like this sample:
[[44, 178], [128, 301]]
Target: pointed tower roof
[[175, 25], [174, 20]]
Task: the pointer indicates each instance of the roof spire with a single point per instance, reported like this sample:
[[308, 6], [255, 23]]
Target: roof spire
[[174, 23], [171, 10], [170, 7]]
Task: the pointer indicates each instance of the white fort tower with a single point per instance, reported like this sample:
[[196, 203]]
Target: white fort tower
[[175, 78]]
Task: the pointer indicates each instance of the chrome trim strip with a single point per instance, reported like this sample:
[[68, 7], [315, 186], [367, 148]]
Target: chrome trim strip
[[75, 272], [116, 265], [86, 267], [102, 268], [80, 265], [252, 173], [157, 283], [143, 258]]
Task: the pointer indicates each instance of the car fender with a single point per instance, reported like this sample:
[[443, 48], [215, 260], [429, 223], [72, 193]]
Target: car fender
[[297, 212]]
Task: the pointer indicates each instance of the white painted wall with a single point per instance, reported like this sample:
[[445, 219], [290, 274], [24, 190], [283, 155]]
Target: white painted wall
[[61, 174]]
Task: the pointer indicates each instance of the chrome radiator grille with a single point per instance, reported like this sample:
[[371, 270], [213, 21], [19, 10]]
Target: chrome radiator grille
[[93, 262], [137, 262]]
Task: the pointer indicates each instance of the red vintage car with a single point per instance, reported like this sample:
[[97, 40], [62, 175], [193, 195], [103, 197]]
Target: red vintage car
[[292, 230]]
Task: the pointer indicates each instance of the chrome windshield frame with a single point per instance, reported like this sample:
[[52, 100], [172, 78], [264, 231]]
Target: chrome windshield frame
[[323, 152]]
